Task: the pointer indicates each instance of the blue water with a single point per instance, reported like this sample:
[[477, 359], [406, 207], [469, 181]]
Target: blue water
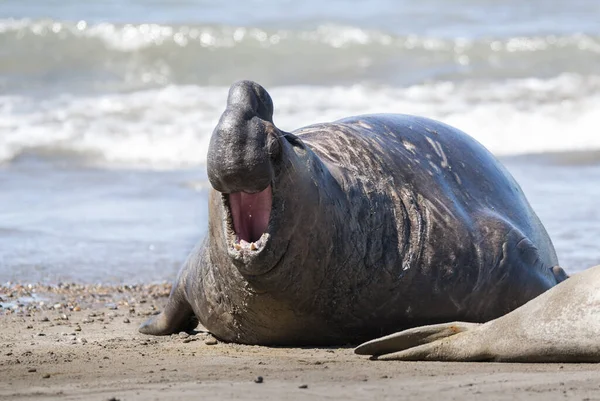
[[460, 18], [106, 109]]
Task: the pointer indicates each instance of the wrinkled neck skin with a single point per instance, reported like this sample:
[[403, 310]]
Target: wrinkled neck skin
[[283, 284]]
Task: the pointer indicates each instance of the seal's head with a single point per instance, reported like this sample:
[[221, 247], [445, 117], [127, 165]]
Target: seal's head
[[246, 155]]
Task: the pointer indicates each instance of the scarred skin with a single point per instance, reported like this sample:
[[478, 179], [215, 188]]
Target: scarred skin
[[378, 223]]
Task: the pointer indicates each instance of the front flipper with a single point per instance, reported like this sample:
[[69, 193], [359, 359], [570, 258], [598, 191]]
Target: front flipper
[[412, 338], [177, 316]]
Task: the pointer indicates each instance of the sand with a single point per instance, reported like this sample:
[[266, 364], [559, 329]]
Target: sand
[[81, 342]]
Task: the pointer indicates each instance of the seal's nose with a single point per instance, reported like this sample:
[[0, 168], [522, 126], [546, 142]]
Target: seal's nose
[[244, 142], [251, 97]]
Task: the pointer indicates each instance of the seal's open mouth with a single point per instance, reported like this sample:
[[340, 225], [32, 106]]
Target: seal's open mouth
[[250, 214]]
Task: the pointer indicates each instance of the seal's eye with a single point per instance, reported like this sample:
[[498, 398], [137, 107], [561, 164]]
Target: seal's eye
[[251, 213], [273, 146]]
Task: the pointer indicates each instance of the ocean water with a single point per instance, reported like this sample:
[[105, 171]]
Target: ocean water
[[106, 110]]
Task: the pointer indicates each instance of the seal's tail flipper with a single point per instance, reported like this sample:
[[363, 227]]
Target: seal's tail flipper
[[559, 274], [177, 316], [412, 338]]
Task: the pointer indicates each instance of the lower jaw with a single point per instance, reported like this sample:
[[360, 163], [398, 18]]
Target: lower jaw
[[245, 246], [254, 263], [242, 251]]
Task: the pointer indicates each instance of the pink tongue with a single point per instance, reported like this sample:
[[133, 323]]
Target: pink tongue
[[251, 213]]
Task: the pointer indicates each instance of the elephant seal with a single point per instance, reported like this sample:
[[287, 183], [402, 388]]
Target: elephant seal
[[561, 325], [341, 232]]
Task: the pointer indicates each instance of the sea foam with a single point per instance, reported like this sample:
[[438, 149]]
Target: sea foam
[[170, 127]]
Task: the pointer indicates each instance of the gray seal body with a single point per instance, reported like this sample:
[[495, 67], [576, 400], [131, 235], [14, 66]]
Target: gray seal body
[[344, 231]]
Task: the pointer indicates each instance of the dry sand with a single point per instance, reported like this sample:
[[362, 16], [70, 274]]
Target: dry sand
[[81, 342]]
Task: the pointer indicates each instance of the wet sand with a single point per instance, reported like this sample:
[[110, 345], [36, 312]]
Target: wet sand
[[81, 342]]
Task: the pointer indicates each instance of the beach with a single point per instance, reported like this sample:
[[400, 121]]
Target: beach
[[83, 344], [107, 108]]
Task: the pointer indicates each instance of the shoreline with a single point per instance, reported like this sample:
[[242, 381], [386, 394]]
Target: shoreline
[[83, 343]]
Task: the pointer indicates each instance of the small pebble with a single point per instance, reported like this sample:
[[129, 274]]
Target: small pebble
[[30, 327], [76, 309], [64, 317], [77, 328], [211, 341], [46, 376], [303, 386], [44, 319], [32, 370], [82, 340], [259, 379], [87, 320], [183, 334], [126, 320], [40, 334]]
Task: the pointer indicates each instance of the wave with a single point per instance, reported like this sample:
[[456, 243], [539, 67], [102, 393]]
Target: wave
[[137, 56], [133, 37], [171, 127]]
